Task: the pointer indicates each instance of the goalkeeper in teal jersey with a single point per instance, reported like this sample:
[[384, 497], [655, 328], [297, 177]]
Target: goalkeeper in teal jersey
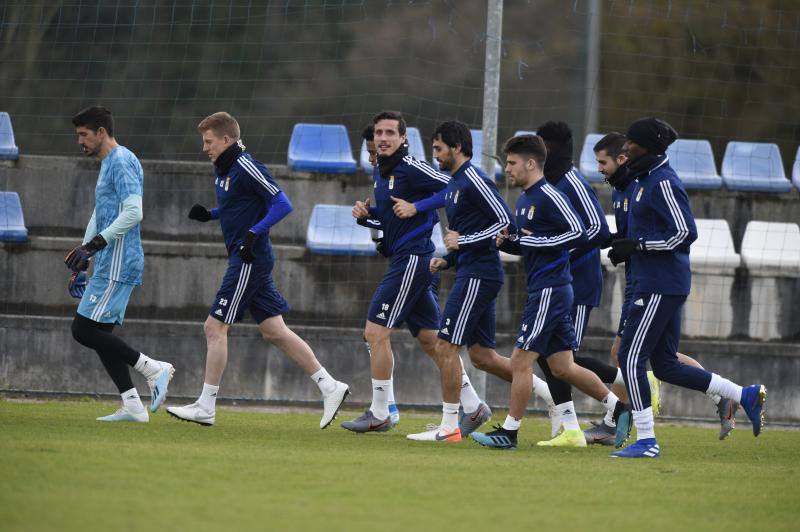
[[113, 243]]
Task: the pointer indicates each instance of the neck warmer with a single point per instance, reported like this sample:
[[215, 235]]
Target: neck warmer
[[641, 166], [228, 157], [387, 162], [621, 178]]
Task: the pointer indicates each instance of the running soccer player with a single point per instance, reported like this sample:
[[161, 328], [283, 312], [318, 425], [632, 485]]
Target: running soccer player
[[660, 231], [113, 242], [404, 294], [547, 227], [611, 163], [249, 204]]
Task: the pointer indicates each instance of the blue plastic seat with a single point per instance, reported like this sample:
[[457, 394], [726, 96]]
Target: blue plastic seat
[[477, 153], [8, 149], [796, 169], [693, 161], [332, 230], [588, 162], [415, 147], [321, 148], [754, 166], [12, 223]]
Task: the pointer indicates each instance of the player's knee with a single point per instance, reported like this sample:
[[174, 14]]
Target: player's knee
[[274, 335], [445, 349], [81, 332], [375, 334], [562, 371], [521, 362], [214, 330]]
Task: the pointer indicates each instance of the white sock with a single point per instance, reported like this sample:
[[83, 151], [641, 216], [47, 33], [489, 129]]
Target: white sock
[[132, 401], [725, 388], [645, 427], [566, 413], [610, 403], [542, 391], [449, 417], [512, 423], [714, 397], [469, 397], [208, 397], [619, 379], [325, 382], [380, 399], [147, 366], [390, 400]]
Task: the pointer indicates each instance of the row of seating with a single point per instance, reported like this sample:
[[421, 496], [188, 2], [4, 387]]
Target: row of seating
[[766, 245]]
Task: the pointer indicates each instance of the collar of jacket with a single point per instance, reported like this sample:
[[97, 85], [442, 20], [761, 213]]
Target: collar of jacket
[[621, 178], [642, 166], [386, 163], [228, 157]]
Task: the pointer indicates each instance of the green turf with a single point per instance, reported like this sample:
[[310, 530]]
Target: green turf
[[61, 470]]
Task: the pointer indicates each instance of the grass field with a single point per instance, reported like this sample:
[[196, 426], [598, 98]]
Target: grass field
[[63, 471]]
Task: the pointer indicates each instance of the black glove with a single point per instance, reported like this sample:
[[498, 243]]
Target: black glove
[[246, 249], [77, 260], [622, 249], [380, 247], [199, 213], [611, 238]]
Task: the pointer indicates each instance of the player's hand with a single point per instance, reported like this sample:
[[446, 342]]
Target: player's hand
[[607, 243], [77, 260], [403, 208], [526, 232], [361, 209], [501, 237], [622, 249], [246, 249], [199, 213], [77, 284], [451, 240], [437, 264]]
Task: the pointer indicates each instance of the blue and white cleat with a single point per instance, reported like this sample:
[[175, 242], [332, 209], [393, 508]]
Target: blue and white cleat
[[394, 414], [646, 448], [124, 414], [624, 420], [469, 422], [753, 399], [499, 438], [158, 385]]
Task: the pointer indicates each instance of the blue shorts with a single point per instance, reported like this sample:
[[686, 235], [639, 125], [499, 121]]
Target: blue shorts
[[547, 322], [580, 319], [248, 287], [105, 301], [469, 315], [405, 295]]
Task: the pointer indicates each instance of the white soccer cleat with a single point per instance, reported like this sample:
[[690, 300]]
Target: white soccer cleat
[[158, 385], [193, 413], [437, 434], [124, 414], [332, 402]]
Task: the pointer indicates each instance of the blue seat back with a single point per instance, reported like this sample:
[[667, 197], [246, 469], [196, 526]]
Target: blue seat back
[[693, 161], [588, 162], [796, 169], [754, 166], [12, 223], [8, 148], [477, 154], [332, 230], [321, 148]]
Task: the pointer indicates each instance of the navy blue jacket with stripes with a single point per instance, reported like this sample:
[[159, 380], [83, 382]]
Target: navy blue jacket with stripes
[[587, 272], [411, 180], [554, 226], [660, 218], [244, 197], [620, 201]]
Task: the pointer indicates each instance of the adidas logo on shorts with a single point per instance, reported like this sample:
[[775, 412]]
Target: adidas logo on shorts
[[218, 312], [381, 316], [444, 331]]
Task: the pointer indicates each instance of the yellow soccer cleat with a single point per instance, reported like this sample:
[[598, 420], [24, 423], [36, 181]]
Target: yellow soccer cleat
[[568, 438], [655, 393]]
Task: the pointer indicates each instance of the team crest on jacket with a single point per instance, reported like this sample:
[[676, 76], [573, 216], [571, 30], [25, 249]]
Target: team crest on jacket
[[227, 183], [391, 182], [625, 205], [455, 197], [639, 195], [530, 212]]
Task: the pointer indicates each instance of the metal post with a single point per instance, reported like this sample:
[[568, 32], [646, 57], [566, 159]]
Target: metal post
[[592, 96], [491, 84]]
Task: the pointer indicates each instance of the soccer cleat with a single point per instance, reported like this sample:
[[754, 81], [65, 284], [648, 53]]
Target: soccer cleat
[[655, 393], [555, 421], [394, 414], [193, 413], [727, 416], [753, 399], [624, 420], [332, 402], [567, 438], [600, 433], [647, 448], [437, 434], [368, 423], [124, 414], [158, 385], [469, 423], [499, 438]]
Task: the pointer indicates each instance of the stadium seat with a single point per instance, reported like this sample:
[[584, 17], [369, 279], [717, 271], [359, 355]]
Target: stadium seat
[[772, 246], [12, 223], [588, 162], [321, 148], [332, 230], [713, 248], [8, 149], [415, 148], [796, 169], [477, 153], [693, 161], [524, 132], [754, 166]]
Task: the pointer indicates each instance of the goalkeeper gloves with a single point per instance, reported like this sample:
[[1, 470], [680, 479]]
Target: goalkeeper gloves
[[77, 260], [622, 249], [77, 284], [199, 213], [246, 249]]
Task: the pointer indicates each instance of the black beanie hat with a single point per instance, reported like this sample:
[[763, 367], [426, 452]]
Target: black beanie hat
[[652, 134]]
